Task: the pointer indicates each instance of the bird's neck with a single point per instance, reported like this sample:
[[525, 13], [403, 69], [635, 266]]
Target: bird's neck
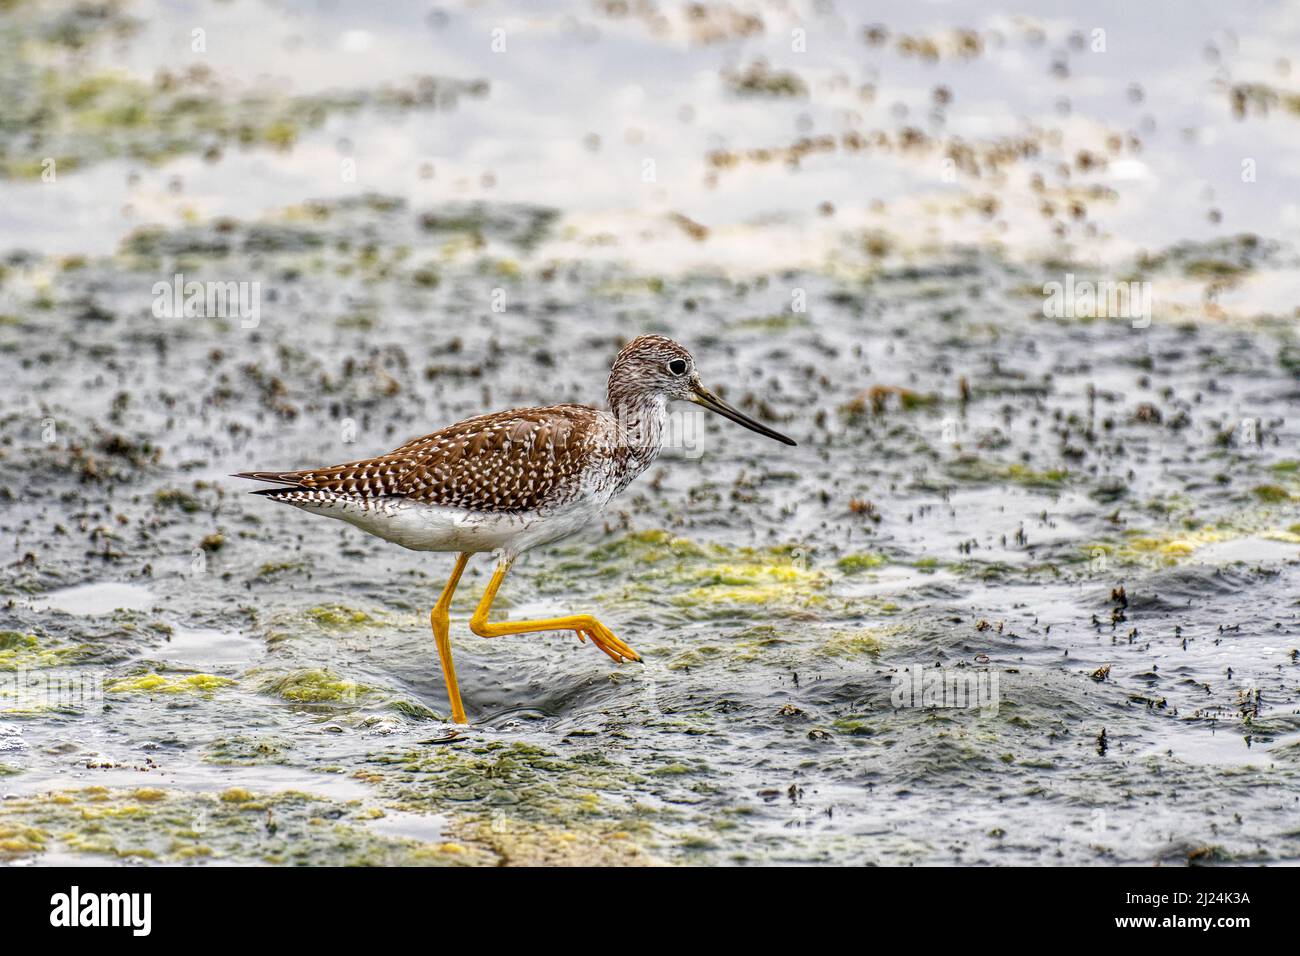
[[640, 417]]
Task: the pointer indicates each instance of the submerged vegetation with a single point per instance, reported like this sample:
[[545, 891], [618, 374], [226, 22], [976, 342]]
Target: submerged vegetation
[[63, 115]]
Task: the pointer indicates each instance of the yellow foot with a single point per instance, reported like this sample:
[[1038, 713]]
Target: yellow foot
[[605, 639]]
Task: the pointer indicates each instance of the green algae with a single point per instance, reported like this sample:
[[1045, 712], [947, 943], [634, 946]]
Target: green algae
[[241, 796], [236, 826], [753, 582], [979, 470], [759, 642], [17, 840], [653, 546], [175, 498], [851, 727], [780, 322], [273, 569], [413, 710], [249, 750], [515, 842], [20, 651], [520, 790], [81, 117], [155, 683], [314, 686], [339, 617], [786, 646], [699, 577], [1169, 547], [12, 640], [700, 655], [866, 642], [857, 563], [672, 770], [523, 226], [1271, 494]]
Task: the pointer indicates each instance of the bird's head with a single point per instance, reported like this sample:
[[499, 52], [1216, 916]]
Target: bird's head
[[651, 366]]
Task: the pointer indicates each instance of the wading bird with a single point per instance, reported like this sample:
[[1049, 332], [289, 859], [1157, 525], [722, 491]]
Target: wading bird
[[511, 481]]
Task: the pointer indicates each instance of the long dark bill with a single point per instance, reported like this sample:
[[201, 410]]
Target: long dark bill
[[702, 396]]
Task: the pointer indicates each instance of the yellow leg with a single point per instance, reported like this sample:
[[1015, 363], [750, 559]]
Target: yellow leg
[[584, 625], [441, 619]]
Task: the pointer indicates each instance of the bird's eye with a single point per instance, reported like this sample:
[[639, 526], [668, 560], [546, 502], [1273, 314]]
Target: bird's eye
[[677, 366]]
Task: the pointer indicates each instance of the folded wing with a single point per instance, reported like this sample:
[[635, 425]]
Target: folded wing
[[518, 460]]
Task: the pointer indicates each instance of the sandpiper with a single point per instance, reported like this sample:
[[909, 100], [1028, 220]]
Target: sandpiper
[[511, 481]]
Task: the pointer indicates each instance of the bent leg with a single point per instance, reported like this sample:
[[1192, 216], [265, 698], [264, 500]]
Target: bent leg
[[584, 625]]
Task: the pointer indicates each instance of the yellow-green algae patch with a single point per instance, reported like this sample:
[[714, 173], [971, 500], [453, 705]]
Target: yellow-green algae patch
[[697, 577], [653, 547], [236, 826], [786, 645], [979, 470], [527, 803], [18, 840], [1169, 547], [82, 117], [305, 624], [155, 683], [248, 750], [700, 654], [1271, 494], [272, 568], [864, 642], [753, 582], [338, 616], [750, 644], [864, 561], [518, 842], [314, 686], [20, 651]]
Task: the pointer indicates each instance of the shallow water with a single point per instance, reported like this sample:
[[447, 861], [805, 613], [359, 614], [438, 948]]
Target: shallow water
[[1093, 523]]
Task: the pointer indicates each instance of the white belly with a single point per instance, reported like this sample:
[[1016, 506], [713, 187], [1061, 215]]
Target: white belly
[[423, 527]]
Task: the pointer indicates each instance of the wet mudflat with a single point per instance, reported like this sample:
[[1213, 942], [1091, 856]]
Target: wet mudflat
[[1087, 521]]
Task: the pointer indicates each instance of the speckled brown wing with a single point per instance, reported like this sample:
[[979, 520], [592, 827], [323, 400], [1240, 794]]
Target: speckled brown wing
[[517, 460]]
